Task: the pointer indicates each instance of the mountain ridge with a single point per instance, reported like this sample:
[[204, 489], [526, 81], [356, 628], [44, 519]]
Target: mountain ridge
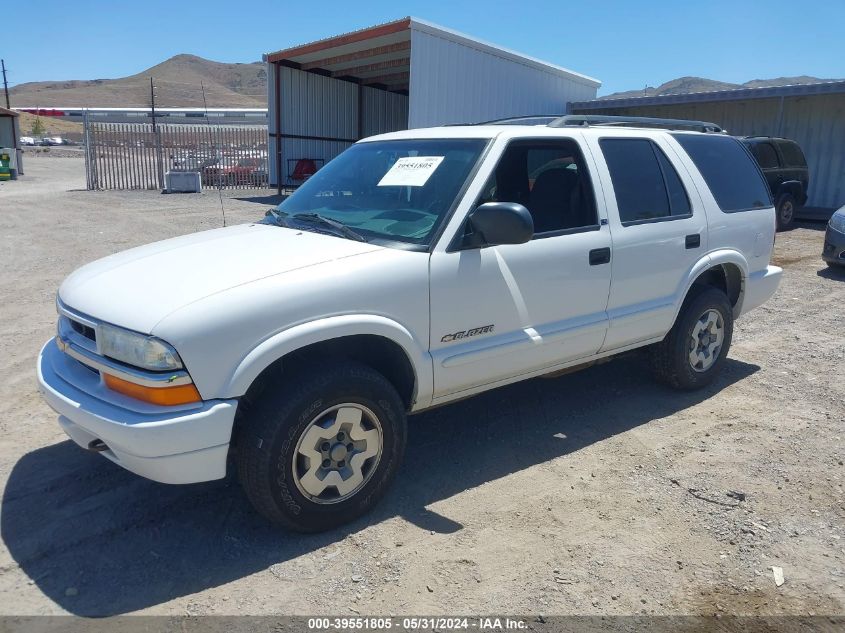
[[693, 85], [179, 82]]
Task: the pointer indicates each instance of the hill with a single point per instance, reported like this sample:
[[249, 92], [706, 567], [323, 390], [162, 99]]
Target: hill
[[52, 126], [690, 85], [177, 82]]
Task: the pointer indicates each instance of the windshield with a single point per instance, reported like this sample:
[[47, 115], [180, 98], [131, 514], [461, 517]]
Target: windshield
[[394, 190]]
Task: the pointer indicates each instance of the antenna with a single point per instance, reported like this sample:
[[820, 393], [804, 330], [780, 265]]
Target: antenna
[[219, 184]]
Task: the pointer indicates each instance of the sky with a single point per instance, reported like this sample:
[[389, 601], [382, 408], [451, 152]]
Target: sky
[[626, 45]]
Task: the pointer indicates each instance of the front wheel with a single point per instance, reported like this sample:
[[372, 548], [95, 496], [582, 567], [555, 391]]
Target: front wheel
[[693, 352], [319, 452]]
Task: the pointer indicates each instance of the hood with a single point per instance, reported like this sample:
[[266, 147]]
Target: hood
[[138, 288]]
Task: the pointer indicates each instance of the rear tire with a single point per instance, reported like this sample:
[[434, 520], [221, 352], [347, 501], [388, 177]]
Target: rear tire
[[693, 352], [785, 211], [337, 421]]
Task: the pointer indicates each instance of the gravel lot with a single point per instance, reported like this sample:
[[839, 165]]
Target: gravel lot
[[592, 493]]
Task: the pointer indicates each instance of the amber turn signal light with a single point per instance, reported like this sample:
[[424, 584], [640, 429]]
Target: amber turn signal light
[[164, 396]]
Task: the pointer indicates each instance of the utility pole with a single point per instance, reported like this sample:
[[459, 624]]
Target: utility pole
[[5, 83], [157, 137], [153, 102]]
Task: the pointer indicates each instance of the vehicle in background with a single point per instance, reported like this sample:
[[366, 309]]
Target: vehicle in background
[[786, 172], [833, 252], [52, 140], [27, 140], [236, 171], [188, 160]]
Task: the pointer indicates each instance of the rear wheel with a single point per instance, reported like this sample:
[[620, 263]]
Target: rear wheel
[[321, 451], [785, 211], [693, 352]]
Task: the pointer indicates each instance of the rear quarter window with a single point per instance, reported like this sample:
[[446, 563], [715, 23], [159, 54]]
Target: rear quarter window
[[733, 176], [792, 154], [765, 154]]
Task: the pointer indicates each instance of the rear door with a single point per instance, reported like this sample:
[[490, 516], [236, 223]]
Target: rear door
[[794, 169], [659, 231], [768, 158]]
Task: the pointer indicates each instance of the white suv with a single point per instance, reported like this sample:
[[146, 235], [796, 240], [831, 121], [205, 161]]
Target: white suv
[[416, 268]]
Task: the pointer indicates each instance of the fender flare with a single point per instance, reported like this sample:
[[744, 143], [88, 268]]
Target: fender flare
[[715, 258], [291, 339], [792, 187]]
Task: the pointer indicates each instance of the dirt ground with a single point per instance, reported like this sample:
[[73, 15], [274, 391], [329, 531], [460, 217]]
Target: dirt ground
[[592, 493]]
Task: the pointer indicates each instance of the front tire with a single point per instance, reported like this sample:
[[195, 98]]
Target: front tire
[[785, 211], [693, 352], [322, 450]]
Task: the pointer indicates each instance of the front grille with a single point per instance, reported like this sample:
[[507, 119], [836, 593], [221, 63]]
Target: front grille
[[85, 330]]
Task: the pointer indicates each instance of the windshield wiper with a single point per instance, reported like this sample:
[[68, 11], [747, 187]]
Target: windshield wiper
[[344, 230], [275, 217]]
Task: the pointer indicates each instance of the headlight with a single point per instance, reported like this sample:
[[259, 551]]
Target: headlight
[[136, 349], [837, 221]]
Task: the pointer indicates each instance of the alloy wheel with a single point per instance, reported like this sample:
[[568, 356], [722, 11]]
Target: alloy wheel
[[706, 340], [337, 453]]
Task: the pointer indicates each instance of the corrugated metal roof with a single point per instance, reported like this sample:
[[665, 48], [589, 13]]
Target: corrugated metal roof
[[383, 52], [5, 112], [740, 94]]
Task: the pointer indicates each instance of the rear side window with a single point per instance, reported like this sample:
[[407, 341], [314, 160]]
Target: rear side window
[[792, 154], [732, 175], [765, 154], [646, 185]]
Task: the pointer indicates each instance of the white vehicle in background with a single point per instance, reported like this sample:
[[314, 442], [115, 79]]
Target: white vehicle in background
[[416, 268], [27, 140]]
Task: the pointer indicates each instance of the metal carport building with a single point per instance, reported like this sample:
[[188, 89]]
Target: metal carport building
[[325, 95], [811, 114]]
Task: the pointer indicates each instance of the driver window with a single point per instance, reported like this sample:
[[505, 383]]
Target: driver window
[[550, 179]]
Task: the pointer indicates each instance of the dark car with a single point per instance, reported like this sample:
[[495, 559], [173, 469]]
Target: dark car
[[833, 251], [785, 169]]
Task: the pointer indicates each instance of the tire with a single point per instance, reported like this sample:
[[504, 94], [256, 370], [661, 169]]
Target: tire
[[672, 358], [785, 211], [318, 409]]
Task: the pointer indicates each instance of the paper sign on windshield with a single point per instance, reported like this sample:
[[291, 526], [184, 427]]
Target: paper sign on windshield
[[413, 171]]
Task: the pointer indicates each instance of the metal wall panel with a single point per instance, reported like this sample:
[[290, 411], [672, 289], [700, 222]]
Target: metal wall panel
[[382, 111], [314, 105], [453, 82], [8, 131], [816, 122]]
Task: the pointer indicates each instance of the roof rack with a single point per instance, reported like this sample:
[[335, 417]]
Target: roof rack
[[587, 120], [529, 119]]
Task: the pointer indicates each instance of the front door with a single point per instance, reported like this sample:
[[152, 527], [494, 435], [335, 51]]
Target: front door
[[501, 311]]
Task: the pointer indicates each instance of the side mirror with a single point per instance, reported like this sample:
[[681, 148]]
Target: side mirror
[[495, 223]]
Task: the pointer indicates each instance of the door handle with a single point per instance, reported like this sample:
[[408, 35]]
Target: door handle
[[693, 241], [600, 256]]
